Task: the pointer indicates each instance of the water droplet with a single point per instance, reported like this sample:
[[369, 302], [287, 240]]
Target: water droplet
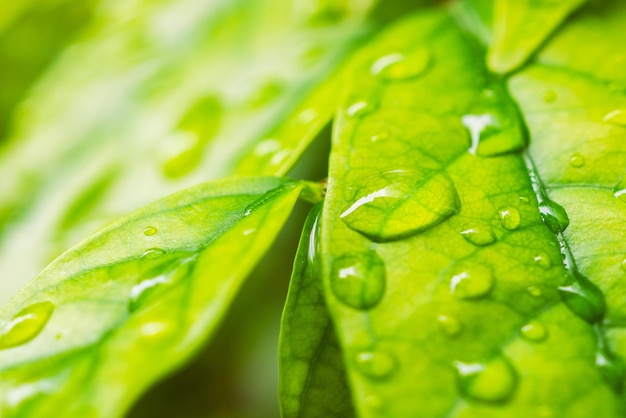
[[619, 191], [26, 324], [154, 329], [449, 325], [359, 280], [534, 331], [360, 109], [510, 218], [490, 136], [549, 96], [140, 292], [479, 235], [149, 231], [267, 146], [583, 298], [554, 216], [381, 136], [307, 116], [616, 117], [493, 381], [524, 199], [543, 261], [623, 265], [153, 253], [577, 160], [534, 291], [611, 368], [376, 364], [400, 203], [472, 281], [400, 66]]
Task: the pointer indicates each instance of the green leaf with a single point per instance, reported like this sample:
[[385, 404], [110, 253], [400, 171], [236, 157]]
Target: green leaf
[[132, 302], [520, 27], [312, 373], [468, 309], [133, 111]]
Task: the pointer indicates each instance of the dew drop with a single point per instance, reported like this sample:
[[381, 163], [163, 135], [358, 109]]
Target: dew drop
[[616, 117], [490, 136], [140, 292], [534, 291], [308, 116], [449, 325], [154, 329], [359, 280], [376, 364], [479, 235], [623, 265], [153, 253], [510, 218], [611, 368], [583, 298], [534, 331], [400, 203], [577, 160], [619, 191], [381, 136], [493, 381], [400, 66], [524, 199], [549, 96], [360, 109], [543, 261], [554, 216], [472, 281], [26, 324], [149, 231]]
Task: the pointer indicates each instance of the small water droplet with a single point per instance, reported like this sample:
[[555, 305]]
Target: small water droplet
[[577, 160], [549, 96], [534, 291], [534, 331], [153, 253], [402, 66], [381, 136], [616, 117], [493, 381], [140, 292], [479, 235], [510, 218], [400, 203], [26, 324], [611, 367], [360, 109], [471, 281], [583, 298], [543, 261], [154, 329], [376, 364], [449, 325], [623, 265], [149, 231], [524, 199], [554, 216], [359, 280]]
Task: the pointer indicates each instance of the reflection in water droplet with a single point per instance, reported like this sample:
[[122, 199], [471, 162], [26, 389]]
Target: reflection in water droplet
[[360, 109], [534, 291], [549, 96], [400, 66], [616, 117], [149, 231], [153, 253], [534, 331], [449, 325], [543, 261], [577, 160], [376, 364], [359, 280], [472, 281], [479, 235], [476, 125], [493, 381], [26, 324], [554, 216], [397, 204], [510, 218], [611, 367]]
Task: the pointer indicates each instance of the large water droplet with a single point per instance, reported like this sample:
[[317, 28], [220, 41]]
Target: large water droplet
[[616, 117], [450, 325], [583, 298], [493, 381], [554, 216], [480, 235], [612, 368], [577, 160], [490, 136], [376, 364], [402, 66], [400, 203], [471, 281], [149, 231], [359, 280], [534, 331], [543, 261], [510, 218], [26, 324]]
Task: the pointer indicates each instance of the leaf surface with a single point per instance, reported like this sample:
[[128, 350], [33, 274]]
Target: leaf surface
[[132, 302], [461, 306], [312, 374]]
